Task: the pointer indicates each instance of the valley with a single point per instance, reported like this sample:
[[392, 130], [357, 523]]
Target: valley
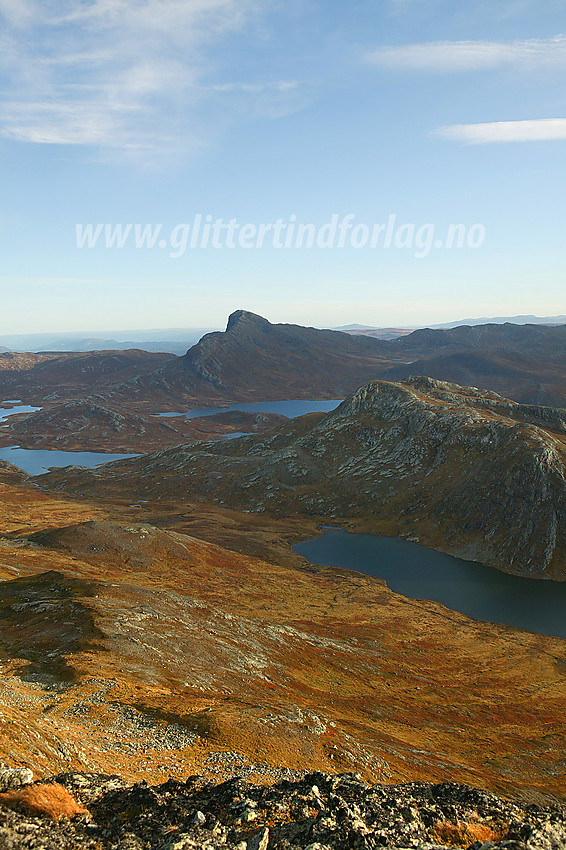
[[282, 534], [167, 651], [460, 470], [157, 606]]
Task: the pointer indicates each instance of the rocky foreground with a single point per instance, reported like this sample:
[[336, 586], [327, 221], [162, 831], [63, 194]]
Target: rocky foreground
[[318, 811]]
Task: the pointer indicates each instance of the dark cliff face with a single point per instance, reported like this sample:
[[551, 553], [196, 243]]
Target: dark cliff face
[[465, 471], [254, 359]]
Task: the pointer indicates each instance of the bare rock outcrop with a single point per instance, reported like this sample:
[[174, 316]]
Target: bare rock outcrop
[[316, 812]]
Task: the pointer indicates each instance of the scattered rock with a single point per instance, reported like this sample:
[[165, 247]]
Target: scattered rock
[[14, 777], [343, 814], [259, 841]]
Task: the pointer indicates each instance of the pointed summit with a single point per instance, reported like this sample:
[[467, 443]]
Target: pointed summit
[[244, 317]]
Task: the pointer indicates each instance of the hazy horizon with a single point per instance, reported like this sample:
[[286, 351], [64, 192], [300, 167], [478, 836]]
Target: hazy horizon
[[180, 338]]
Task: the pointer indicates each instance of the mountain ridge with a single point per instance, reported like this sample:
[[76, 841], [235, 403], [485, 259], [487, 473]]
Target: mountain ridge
[[462, 470], [254, 359]]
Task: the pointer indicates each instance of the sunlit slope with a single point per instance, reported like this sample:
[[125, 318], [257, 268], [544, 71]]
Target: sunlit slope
[[134, 649]]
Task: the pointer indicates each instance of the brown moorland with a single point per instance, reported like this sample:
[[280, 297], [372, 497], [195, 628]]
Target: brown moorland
[[132, 648]]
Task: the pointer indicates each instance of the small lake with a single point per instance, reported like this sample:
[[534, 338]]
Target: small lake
[[465, 586], [12, 411], [38, 461], [234, 435], [291, 409]]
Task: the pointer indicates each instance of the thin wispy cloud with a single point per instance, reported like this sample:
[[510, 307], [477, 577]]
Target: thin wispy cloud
[[124, 74], [278, 85], [545, 129], [15, 11], [454, 56]]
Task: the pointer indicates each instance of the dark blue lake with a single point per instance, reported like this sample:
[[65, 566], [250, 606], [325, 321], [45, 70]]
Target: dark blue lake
[[420, 573]]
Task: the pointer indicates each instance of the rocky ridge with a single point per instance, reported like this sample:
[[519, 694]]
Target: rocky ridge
[[314, 812], [463, 470], [254, 358]]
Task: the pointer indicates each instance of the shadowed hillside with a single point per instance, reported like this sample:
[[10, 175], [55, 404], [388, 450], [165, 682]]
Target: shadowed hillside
[[52, 377], [254, 359]]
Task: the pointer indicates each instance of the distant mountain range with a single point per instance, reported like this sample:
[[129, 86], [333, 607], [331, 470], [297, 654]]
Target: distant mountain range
[[501, 320], [486, 320], [394, 333], [254, 360], [171, 340], [179, 340]]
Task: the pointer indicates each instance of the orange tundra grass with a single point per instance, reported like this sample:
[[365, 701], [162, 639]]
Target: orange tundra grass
[[45, 799], [464, 833]]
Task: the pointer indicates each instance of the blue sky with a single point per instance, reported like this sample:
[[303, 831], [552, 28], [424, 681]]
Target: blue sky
[[152, 112]]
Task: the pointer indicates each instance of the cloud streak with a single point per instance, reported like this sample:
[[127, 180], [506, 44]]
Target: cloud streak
[[460, 56], [545, 129], [131, 75]]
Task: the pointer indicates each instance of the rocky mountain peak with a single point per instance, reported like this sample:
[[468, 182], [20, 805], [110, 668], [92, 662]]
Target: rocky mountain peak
[[244, 318]]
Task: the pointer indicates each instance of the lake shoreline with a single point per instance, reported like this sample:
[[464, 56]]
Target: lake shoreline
[[419, 572]]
